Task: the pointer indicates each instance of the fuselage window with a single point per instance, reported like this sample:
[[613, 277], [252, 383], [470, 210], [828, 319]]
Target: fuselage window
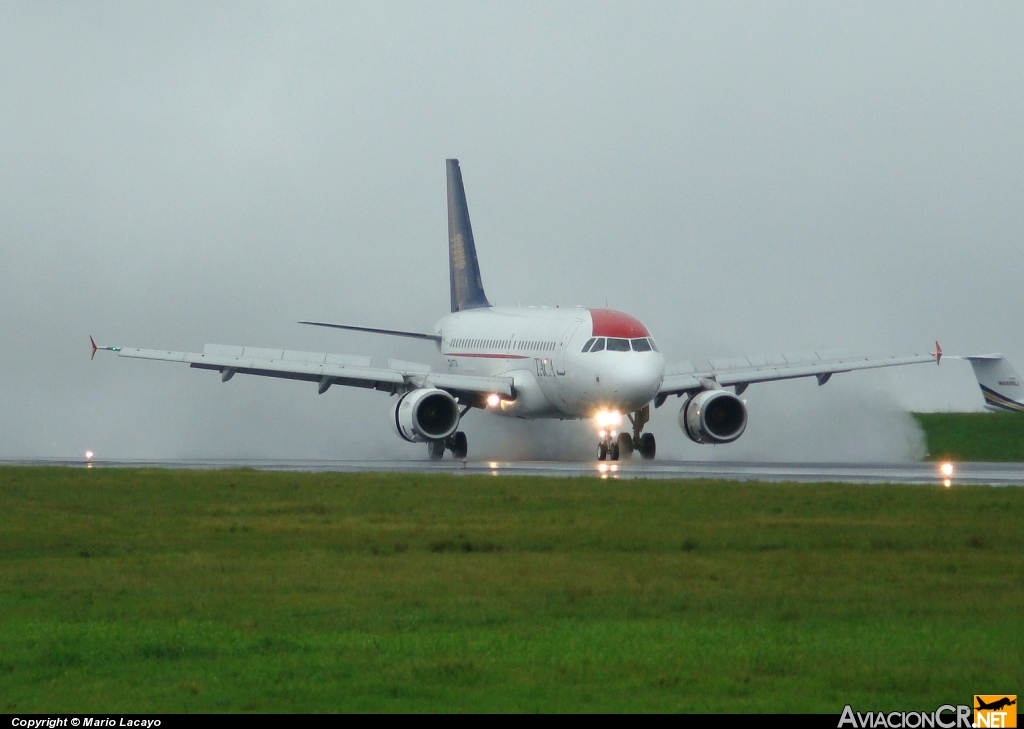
[[640, 345], [618, 345], [598, 345], [589, 344]]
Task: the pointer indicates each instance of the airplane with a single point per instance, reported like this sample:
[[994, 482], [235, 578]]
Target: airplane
[[999, 382], [565, 363], [995, 705]]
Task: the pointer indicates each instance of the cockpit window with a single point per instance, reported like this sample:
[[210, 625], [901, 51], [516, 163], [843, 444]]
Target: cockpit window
[[641, 345], [618, 345], [589, 344], [654, 345], [598, 345]]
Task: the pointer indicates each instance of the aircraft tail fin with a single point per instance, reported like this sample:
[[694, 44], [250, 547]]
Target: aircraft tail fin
[[1000, 384], [466, 287]]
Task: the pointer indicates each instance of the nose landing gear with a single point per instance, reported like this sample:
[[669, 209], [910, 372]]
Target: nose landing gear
[[608, 449], [612, 447]]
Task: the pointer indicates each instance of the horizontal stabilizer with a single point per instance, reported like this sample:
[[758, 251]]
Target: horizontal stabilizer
[[436, 338]]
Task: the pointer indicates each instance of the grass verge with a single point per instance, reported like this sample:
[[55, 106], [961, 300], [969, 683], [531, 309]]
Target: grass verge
[[153, 590], [973, 436]]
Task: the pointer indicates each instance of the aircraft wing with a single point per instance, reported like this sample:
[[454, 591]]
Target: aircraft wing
[[682, 378], [327, 370]]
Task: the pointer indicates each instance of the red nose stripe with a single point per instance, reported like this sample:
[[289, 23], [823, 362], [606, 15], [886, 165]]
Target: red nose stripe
[[608, 323]]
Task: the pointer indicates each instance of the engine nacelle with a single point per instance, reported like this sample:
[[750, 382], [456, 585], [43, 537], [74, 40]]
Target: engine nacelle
[[426, 414], [713, 416]]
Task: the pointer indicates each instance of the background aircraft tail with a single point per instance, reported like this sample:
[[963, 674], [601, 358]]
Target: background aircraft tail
[[999, 382], [467, 288]]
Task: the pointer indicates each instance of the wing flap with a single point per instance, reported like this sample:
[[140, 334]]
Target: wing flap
[[772, 367], [315, 367], [277, 365]]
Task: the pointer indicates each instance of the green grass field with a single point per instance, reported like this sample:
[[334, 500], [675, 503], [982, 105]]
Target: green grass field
[[152, 591], [973, 436]]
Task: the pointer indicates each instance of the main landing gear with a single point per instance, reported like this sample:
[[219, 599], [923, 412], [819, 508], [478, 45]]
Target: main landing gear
[[457, 443], [614, 446]]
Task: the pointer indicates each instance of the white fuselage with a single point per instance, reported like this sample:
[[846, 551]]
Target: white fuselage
[[541, 349]]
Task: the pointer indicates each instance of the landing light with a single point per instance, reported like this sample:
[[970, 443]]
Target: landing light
[[946, 469], [89, 455], [606, 418], [493, 400]]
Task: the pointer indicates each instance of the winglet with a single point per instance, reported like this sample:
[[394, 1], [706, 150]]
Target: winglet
[[937, 354], [96, 348]]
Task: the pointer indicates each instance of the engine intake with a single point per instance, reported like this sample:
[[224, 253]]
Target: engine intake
[[713, 416], [426, 414]]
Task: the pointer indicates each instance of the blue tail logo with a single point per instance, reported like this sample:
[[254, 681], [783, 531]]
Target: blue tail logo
[[467, 288]]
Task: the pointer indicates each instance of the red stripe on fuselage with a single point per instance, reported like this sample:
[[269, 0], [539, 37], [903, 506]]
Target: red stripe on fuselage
[[608, 323], [487, 356]]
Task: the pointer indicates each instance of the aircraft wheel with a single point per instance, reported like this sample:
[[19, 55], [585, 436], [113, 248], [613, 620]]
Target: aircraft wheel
[[647, 446], [435, 449], [613, 452], [602, 451], [460, 445], [624, 445]]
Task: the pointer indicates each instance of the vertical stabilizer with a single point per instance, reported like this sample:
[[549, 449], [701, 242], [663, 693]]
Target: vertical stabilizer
[[1000, 384], [467, 288]]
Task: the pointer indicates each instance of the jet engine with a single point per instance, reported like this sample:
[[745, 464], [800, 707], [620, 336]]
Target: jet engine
[[426, 414], [713, 416]]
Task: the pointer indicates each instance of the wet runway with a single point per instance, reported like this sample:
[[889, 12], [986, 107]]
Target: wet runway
[[996, 474]]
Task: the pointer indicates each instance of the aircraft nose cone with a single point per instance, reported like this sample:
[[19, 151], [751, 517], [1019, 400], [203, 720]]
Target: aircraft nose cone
[[635, 382]]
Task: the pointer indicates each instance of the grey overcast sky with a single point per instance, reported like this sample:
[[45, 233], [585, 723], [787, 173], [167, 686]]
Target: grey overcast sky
[[743, 177]]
